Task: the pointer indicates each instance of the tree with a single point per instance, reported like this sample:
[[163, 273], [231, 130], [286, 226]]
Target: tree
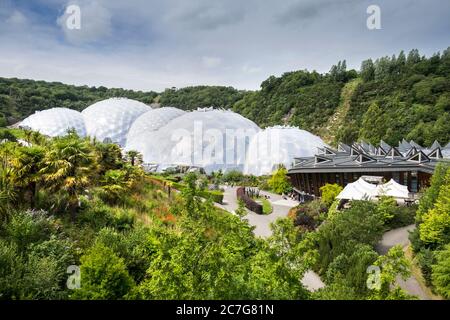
[[361, 224], [103, 275], [387, 208], [27, 165], [367, 70], [431, 194], [441, 272], [115, 185], [329, 192], [279, 182], [373, 124], [435, 228], [392, 265], [68, 166], [134, 157]]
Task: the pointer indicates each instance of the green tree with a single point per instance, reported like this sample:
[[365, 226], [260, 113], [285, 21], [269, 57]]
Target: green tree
[[392, 265], [387, 207], [68, 166], [435, 228], [441, 272], [103, 275], [279, 182], [134, 157], [27, 165], [329, 192], [373, 124]]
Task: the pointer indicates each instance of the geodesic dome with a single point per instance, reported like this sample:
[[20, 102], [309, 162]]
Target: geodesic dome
[[55, 122], [142, 128], [111, 119], [212, 139], [279, 145]]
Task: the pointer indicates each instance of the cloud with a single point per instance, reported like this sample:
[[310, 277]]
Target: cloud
[[211, 62], [157, 44], [17, 19], [95, 23], [205, 14]]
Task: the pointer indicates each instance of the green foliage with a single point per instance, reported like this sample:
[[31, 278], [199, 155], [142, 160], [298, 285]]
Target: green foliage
[[387, 207], [441, 272], [329, 192], [361, 224], [279, 182], [435, 228], [21, 98], [29, 227], [431, 194], [392, 265], [191, 98], [103, 275]]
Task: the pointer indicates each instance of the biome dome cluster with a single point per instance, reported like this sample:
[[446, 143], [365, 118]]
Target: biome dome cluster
[[209, 138], [279, 145], [55, 122], [202, 138], [111, 119]]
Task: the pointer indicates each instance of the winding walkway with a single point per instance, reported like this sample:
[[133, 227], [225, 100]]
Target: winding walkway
[[400, 237], [281, 208]]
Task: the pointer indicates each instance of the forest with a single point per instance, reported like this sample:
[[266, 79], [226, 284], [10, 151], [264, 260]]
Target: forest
[[403, 96]]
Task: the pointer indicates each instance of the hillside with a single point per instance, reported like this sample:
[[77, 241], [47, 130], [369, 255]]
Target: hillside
[[403, 96]]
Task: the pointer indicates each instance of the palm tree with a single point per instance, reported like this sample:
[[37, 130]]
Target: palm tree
[[109, 156], [27, 164], [134, 157], [69, 166], [8, 190], [115, 184]]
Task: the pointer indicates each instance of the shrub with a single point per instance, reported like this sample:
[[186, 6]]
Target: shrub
[[441, 272], [279, 182], [386, 207], [426, 259], [214, 195], [28, 227], [104, 275], [403, 216], [329, 192], [249, 202]]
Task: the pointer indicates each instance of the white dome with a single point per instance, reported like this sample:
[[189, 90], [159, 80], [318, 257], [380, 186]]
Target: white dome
[[55, 122], [212, 139], [279, 145], [112, 118], [148, 122]]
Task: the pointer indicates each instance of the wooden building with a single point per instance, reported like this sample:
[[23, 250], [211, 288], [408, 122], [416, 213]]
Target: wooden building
[[408, 164]]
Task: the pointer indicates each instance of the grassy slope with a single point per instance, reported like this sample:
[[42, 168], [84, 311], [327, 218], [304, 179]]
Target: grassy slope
[[328, 131]]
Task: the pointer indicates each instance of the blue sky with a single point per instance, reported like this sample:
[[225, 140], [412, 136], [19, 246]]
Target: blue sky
[[152, 45]]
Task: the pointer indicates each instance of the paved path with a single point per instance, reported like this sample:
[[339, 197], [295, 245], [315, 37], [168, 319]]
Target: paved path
[[281, 207], [400, 236]]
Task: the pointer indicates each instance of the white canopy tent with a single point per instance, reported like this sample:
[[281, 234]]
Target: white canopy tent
[[362, 190], [393, 189], [358, 190]]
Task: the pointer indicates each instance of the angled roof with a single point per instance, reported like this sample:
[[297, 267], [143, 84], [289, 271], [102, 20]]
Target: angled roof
[[361, 157]]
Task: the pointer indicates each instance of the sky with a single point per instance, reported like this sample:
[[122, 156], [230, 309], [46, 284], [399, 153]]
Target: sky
[[157, 44]]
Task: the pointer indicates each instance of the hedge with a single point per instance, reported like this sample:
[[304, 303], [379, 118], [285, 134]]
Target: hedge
[[249, 203], [214, 195]]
